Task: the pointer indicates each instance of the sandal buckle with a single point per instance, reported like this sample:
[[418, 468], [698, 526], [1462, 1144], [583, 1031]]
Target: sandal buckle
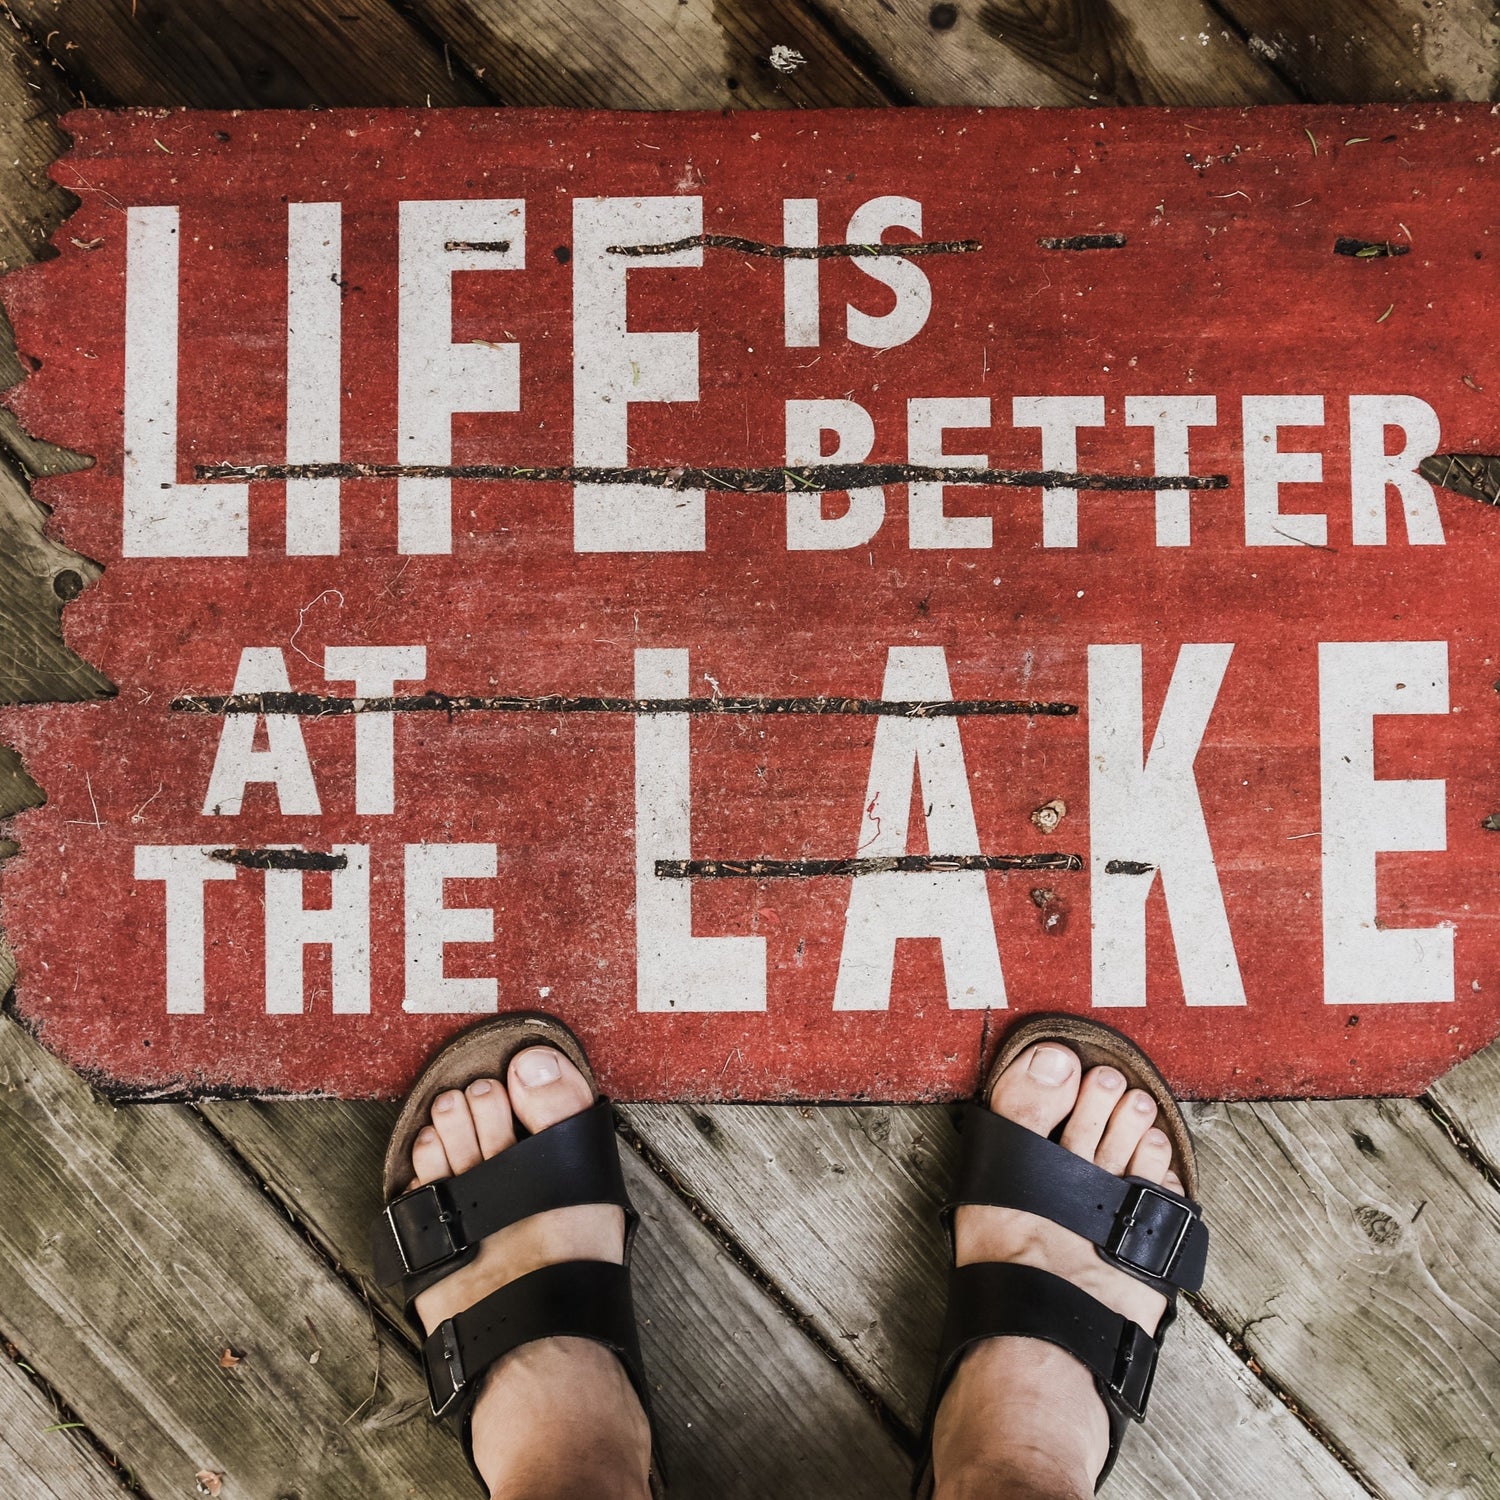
[[1149, 1231], [422, 1224], [444, 1365], [1135, 1370]]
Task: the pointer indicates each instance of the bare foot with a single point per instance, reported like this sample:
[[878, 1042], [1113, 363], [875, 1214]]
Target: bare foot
[[1022, 1417], [558, 1417]]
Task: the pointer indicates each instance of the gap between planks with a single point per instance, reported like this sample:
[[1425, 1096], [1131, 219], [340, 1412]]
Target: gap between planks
[[46, 1453], [734, 1377], [841, 1201]]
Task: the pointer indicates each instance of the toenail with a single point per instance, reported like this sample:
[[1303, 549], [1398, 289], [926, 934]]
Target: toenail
[[1109, 1079], [442, 1104], [481, 1087], [426, 1135], [538, 1065], [1155, 1138], [1145, 1103], [1051, 1065]]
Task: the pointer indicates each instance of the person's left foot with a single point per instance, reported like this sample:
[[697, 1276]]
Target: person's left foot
[[557, 1417], [1021, 1416]]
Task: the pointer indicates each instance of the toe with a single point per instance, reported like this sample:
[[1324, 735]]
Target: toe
[[490, 1111], [455, 1127], [545, 1088], [1098, 1095], [1134, 1115], [1173, 1183], [1152, 1157], [428, 1159], [1038, 1088]]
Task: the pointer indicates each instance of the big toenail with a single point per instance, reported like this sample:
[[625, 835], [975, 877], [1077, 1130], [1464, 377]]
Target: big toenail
[[1145, 1103], [1050, 1065], [1109, 1079], [482, 1087], [443, 1104], [537, 1066]]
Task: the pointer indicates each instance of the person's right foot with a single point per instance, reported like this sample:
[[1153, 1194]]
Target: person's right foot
[[556, 1418], [1022, 1417]]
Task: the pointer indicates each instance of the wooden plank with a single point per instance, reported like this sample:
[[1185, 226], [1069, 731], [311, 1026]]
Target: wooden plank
[[1348, 51], [1020, 52], [652, 54], [1357, 1256], [37, 576], [839, 1205], [42, 1457], [31, 204], [137, 1251], [255, 54], [1469, 1096], [36, 572], [747, 1405]]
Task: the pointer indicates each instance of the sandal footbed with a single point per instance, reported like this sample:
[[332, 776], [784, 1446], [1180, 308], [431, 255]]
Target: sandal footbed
[[1099, 1045], [482, 1051]]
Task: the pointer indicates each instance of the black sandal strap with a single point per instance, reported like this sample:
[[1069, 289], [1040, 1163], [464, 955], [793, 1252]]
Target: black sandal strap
[[422, 1236], [584, 1299], [994, 1299], [1152, 1233]]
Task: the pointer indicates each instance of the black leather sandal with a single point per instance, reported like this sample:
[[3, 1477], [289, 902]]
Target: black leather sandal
[[1145, 1230], [424, 1235]]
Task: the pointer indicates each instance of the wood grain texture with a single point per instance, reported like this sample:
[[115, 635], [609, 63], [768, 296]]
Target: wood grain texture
[[40, 1459], [1057, 52], [651, 54], [1357, 1256], [38, 665], [1469, 1096], [1356, 52], [35, 663], [137, 1251], [838, 1206], [747, 1405], [254, 54], [31, 204]]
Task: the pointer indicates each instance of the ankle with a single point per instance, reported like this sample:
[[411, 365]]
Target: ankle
[[559, 1420], [1021, 1418], [1025, 1476]]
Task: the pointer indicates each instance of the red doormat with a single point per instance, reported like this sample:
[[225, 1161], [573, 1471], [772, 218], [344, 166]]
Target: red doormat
[[782, 592]]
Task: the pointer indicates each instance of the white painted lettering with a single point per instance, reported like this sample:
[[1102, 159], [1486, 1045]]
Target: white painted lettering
[[163, 518], [314, 371], [675, 970], [1059, 417], [1365, 962], [799, 284], [1149, 814], [952, 906], [374, 671], [283, 763], [1170, 417], [1267, 468], [344, 926], [436, 376], [614, 367], [807, 528], [1373, 471], [431, 927], [183, 868], [926, 422], [905, 278]]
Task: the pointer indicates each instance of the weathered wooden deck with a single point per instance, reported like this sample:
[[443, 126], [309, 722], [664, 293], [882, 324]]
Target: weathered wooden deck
[[185, 1288]]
